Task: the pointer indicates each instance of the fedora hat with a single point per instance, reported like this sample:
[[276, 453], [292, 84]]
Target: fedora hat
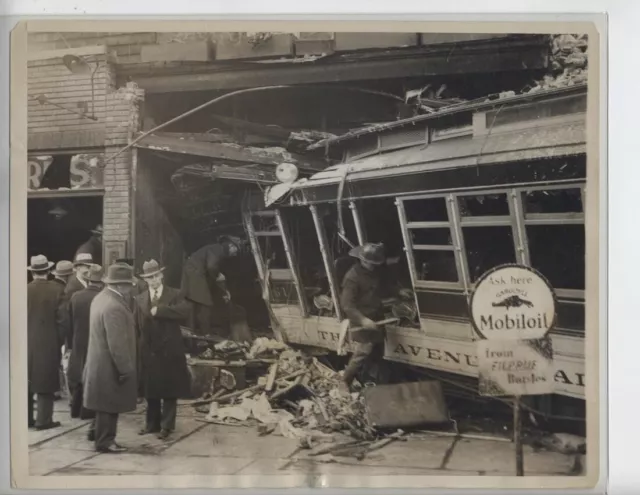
[[63, 268], [98, 230], [83, 259], [370, 253], [151, 268], [119, 274], [40, 263], [96, 273]]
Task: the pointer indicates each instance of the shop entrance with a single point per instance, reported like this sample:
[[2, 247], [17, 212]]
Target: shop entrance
[[57, 226]]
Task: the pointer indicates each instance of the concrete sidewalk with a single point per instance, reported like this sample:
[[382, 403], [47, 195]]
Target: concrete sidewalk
[[198, 448]]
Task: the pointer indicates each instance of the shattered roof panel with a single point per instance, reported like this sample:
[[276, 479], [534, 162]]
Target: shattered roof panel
[[478, 104], [548, 141]]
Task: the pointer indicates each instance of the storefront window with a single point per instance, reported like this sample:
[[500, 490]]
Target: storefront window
[[436, 266], [558, 252], [426, 210], [488, 247], [553, 201], [485, 205]]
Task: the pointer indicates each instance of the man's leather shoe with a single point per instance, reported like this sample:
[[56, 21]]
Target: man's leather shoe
[[112, 449], [147, 431], [53, 424], [164, 434]]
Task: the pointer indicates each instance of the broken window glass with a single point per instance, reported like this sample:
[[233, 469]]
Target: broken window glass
[[558, 252], [553, 201], [305, 245], [426, 210], [273, 253], [329, 217], [436, 266], [266, 223], [427, 237], [484, 205], [488, 247]]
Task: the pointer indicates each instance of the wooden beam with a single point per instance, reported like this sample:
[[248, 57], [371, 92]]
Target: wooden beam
[[247, 174], [261, 129], [229, 152], [419, 63]]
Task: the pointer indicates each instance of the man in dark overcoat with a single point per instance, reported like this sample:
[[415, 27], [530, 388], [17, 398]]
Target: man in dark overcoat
[[61, 274], [93, 245], [110, 375], [76, 283], [164, 376], [202, 282], [45, 311], [79, 307]]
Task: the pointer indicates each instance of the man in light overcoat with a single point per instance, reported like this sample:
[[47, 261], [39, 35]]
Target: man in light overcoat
[[109, 378]]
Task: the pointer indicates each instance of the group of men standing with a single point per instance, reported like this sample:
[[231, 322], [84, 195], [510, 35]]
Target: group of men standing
[[124, 343]]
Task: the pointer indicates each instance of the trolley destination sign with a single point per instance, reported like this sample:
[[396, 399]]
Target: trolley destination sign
[[512, 302]]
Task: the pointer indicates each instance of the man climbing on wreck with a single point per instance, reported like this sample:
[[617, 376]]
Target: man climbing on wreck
[[362, 301], [203, 284]]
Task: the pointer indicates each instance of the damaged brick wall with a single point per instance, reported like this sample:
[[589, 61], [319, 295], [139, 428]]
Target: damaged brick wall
[[122, 121], [117, 113]]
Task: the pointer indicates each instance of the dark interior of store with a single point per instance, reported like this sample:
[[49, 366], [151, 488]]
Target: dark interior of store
[[57, 226]]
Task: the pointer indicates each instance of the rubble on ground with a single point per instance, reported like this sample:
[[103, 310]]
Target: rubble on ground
[[297, 395]]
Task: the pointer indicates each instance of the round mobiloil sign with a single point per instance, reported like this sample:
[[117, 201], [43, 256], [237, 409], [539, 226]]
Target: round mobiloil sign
[[513, 302]]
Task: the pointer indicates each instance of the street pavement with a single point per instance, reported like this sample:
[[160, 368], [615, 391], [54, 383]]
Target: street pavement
[[199, 448]]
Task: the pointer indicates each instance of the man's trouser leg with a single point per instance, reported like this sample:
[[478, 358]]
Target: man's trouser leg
[[76, 400], [44, 415], [169, 413], [358, 361], [31, 419], [153, 415], [106, 429]]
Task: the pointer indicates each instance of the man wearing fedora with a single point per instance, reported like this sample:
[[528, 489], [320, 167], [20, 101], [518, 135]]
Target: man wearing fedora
[[45, 310], [63, 272], [363, 291], [110, 375], [203, 286], [93, 245], [76, 283], [79, 308], [163, 373]]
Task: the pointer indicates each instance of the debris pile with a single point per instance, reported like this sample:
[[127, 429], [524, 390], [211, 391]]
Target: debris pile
[[296, 395], [430, 99], [569, 62]]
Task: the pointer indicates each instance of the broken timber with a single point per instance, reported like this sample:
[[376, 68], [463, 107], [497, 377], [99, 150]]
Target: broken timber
[[229, 152], [500, 55]]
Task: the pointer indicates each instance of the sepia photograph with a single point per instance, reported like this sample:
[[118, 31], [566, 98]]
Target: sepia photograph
[[303, 257]]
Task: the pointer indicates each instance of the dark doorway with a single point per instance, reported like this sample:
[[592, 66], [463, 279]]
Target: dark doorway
[[57, 226]]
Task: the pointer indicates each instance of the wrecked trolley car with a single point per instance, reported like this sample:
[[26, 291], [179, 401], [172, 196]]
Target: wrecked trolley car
[[451, 195]]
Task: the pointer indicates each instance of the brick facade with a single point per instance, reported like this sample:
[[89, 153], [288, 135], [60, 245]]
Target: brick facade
[[52, 129]]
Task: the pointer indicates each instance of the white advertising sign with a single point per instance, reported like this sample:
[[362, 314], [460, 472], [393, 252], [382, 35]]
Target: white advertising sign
[[515, 367], [512, 302]]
